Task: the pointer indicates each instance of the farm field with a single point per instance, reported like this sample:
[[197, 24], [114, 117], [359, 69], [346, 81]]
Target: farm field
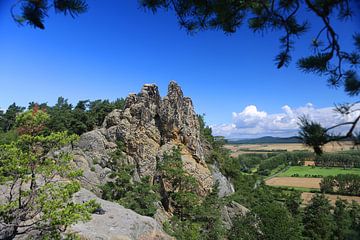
[[308, 170], [294, 182], [307, 196], [237, 149]]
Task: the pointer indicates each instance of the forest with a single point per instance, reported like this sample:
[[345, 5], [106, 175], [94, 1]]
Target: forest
[[273, 213]]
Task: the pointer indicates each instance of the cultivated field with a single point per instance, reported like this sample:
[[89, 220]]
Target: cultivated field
[[306, 197], [301, 171], [294, 182], [238, 149]]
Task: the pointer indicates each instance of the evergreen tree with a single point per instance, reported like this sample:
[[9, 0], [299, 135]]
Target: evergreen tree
[[342, 220], [60, 116], [354, 213], [318, 220], [245, 228], [8, 119], [34, 13], [38, 201], [277, 223]]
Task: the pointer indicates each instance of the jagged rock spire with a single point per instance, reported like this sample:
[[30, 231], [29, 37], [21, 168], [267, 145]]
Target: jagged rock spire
[[149, 125]]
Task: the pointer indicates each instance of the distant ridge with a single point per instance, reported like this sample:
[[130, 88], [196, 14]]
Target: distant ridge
[[266, 139]]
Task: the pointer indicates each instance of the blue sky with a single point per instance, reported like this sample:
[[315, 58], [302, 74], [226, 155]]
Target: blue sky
[[116, 47]]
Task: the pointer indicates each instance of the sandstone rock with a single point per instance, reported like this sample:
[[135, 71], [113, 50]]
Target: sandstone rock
[[116, 222], [148, 126]]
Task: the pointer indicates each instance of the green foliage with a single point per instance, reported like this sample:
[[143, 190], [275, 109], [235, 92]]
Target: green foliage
[[8, 137], [7, 119], [342, 220], [318, 220], [205, 131], [285, 159], [208, 215], [138, 196], [344, 184], [313, 134], [354, 213], [34, 13], [185, 230], [318, 63], [352, 81], [60, 116], [116, 189], [84, 117], [250, 161], [194, 217], [244, 228], [277, 223], [141, 198], [346, 159], [73, 7], [228, 166], [293, 203], [32, 172], [182, 194], [315, 171], [31, 122]]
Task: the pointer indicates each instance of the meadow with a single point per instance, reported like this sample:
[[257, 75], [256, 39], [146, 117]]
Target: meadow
[[310, 171]]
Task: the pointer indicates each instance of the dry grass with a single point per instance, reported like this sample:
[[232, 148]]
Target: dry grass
[[294, 182], [237, 149], [306, 197]]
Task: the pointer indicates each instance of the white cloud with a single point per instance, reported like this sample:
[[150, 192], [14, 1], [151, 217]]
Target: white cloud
[[252, 122]]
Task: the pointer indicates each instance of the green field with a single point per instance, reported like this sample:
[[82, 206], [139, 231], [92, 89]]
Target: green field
[[300, 189], [308, 170]]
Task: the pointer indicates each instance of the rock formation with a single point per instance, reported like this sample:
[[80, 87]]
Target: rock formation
[[226, 188], [148, 126]]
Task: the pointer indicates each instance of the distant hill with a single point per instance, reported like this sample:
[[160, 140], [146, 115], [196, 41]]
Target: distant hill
[[266, 139]]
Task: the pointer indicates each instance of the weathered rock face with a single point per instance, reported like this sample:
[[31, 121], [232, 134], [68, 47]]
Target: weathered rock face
[[226, 188], [148, 126], [116, 222], [231, 211]]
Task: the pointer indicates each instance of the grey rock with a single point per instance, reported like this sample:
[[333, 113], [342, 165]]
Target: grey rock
[[226, 188], [230, 211], [116, 222]]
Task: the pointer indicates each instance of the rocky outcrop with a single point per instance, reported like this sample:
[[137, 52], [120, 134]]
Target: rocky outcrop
[[148, 126], [116, 222], [226, 188], [230, 211]]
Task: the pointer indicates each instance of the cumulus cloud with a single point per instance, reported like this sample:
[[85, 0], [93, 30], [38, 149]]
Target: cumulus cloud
[[252, 122]]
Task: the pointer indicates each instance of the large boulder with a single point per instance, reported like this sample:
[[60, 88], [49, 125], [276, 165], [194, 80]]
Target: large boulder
[[115, 222]]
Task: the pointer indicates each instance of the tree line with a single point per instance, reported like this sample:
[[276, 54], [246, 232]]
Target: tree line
[[346, 159], [343, 184], [286, 159], [75, 119]]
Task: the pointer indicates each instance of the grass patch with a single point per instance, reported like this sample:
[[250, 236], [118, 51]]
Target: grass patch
[[300, 189], [309, 171]]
